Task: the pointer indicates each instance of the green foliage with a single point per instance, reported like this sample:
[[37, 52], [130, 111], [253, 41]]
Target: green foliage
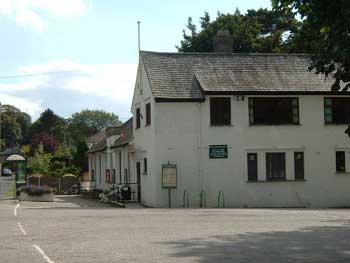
[[39, 163], [50, 123], [259, 30], [11, 133], [22, 118], [325, 30], [88, 122], [54, 146], [15, 124]]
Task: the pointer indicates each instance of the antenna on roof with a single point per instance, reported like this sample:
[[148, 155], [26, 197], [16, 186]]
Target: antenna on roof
[[139, 47], [138, 36]]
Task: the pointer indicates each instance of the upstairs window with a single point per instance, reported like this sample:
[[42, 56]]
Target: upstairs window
[[273, 111], [340, 161], [220, 111], [337, 110], [148, 114], [138, 118], [144, 165], [275, 166]]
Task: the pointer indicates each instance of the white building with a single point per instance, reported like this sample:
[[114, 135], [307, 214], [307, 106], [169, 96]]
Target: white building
[[111, 160], [257, 129]]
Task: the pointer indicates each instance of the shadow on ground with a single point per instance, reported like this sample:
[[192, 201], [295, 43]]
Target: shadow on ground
[[312, 244]]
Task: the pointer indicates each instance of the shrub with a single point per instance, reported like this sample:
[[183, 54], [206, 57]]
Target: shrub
[[34, 190]]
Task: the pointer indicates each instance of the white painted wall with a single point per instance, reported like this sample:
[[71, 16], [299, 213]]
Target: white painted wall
[[144, 139], [183, 135]]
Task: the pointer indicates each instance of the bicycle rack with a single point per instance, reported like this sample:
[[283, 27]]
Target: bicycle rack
[[203, 200], [221, 194], [185, 200]]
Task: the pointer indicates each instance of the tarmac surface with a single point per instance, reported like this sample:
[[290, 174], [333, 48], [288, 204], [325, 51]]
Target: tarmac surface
[[73, 229]]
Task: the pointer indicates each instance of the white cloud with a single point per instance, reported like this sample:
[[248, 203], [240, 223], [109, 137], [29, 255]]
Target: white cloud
[[115, 81], [31, 84], [33, 108], [112, 82], [35, 13]]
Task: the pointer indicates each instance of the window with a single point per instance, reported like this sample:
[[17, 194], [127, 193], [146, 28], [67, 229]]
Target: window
[[220, 111], [273, 111], [337, 110], [138, 118], [92, 175], [148, 114], [275, 166], [340, 161], [299, 165], [252, 159], [144, 165]]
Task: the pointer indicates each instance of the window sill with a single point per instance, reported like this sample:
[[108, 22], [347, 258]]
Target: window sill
[[286, 124], [342, 173], [211, 125], [147, 125], [336, 124], [273, 181], [144, 173]]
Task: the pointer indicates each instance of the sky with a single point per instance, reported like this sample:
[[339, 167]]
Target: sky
[[70, 55]]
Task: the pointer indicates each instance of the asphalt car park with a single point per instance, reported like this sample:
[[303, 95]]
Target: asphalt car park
[[73, 229]]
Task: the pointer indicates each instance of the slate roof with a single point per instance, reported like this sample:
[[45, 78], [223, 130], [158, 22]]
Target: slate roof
[[96, 137], [127, 131], [98, 147], [191, 75]]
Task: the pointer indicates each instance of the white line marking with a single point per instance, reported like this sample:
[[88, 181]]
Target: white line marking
[[15, 210], [22, 229], [47, 259]]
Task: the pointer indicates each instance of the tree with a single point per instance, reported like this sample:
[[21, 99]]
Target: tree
[[51, 124], [259, 30], [80, 159], [40, 162], [48, 142], [87, 122], [327, 23], [11, 133], [15, 124]]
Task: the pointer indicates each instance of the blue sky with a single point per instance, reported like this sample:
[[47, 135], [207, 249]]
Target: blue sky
[[88, 48]]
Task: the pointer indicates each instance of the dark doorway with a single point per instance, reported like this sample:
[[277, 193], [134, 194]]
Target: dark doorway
[[138, 174]]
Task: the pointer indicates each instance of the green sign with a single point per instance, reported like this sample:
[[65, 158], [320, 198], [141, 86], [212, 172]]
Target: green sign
[[169, 176], [218, 151]]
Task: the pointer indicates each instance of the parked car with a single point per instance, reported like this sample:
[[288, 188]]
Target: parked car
[[6, 172]]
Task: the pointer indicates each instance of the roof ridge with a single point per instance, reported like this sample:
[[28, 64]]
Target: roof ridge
[[228, 54]]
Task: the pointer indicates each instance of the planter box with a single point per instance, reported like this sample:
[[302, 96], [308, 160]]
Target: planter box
[[41, 198]]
